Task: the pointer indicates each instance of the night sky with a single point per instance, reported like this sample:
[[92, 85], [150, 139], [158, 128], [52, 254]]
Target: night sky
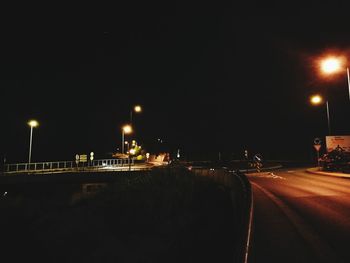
[[211, 76]]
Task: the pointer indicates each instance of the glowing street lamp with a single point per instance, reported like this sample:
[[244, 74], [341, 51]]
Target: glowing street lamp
[[317, 100], [32, 124], [332, 65], [126, 129]]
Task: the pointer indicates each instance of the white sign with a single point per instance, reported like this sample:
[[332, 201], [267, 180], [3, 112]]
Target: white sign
[[317, 141], [332, 142], [91, 156], [317, 147]]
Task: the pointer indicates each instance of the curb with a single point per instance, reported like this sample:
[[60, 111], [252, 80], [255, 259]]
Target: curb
[[261, 170], [315, 171]]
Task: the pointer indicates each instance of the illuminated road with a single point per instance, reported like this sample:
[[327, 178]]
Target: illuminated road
[[300, 217]]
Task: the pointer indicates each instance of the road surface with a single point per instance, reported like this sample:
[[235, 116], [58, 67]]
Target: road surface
[[300, 217]]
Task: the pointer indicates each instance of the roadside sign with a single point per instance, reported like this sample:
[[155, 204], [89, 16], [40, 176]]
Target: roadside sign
[[91, 156], [334, 142], [83, 158], [317, 141], [77, 157], [257, 157], [317, 147]]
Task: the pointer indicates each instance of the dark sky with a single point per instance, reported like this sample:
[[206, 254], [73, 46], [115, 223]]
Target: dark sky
[[211, 76]]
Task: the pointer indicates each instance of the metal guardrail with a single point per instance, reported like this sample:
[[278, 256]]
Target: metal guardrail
[[65, 165]]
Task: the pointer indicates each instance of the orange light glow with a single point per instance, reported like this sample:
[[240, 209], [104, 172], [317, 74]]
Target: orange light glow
[[332, 64]]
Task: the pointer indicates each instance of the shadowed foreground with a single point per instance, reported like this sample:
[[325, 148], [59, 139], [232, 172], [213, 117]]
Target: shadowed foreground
[[160, 216]]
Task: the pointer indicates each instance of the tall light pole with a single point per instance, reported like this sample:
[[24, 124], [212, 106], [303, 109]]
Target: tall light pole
[[331, 65], [136, 109], [32, 124], [127, 144], [317, 100], [126, 129]]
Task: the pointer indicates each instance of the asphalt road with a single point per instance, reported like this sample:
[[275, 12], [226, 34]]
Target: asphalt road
[[300, 217]]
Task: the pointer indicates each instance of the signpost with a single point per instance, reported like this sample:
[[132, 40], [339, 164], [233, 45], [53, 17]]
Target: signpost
[[317, 146], [82, 158], [246, 158], [77, 159], [258, 161], [91, 157]]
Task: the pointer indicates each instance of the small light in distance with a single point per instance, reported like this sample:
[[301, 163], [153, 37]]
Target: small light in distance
[[137, 108]]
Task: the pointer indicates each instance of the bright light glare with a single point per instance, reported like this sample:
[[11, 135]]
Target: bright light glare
[[33, 123], [316, 99], [331, 65], [132, 151], [137, 108], [127, 129]]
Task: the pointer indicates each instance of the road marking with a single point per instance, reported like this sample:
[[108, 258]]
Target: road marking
[[274, 176], [251, 212], [269, 175]]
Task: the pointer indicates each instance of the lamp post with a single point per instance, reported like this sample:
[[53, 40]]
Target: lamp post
[[126, 129], [32, 124], [136, 109], [317, 100], [127, 144], [331, 65]]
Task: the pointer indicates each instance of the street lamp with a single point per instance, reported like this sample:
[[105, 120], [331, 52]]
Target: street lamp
[[127, 144], [332, 65], [317, 100], [32, 124], [126, 129], [136, 109]]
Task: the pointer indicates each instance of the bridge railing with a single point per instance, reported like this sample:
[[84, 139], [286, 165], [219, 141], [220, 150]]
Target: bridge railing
[[65, 165]]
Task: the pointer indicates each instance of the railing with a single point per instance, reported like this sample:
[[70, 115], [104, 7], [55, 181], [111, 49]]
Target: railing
[[66, 165]]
